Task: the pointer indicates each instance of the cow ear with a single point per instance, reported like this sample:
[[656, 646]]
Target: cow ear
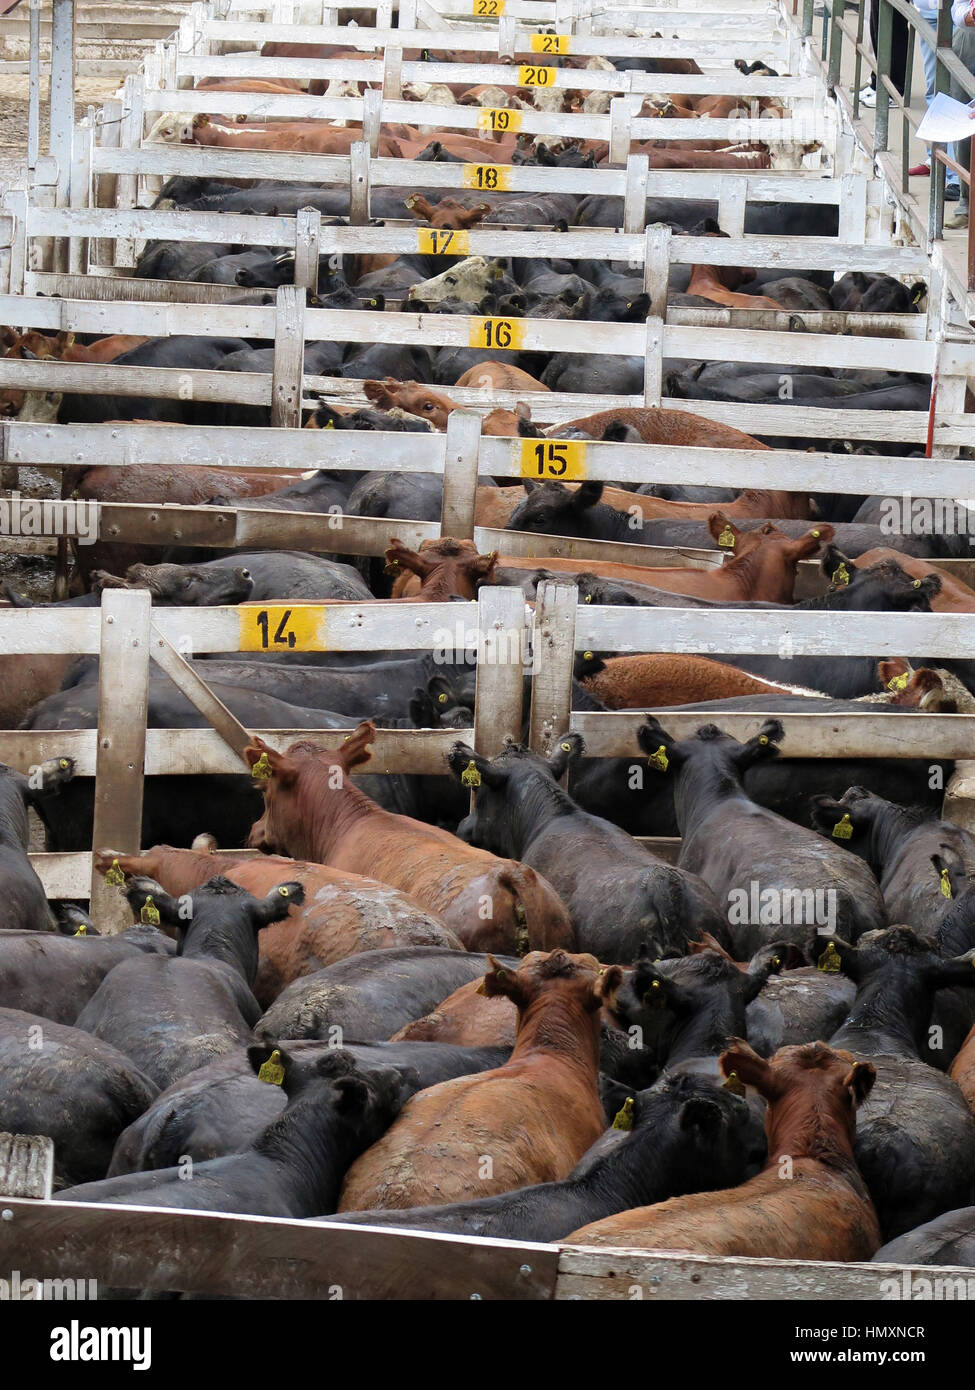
[[859, 1079], [749, 1068], [471, 769], [608, 985], [396, 553], [421, 710], [841, 820], [481, 567], [832, 954], [894, 673], [950, 868], [378, 392], [724, 532], [278, 903], [761, 747], [809, 543], [268, 764], [530, 486], [586, 495], [501, 980], [355, 750], [838, 568], [151, 904], [663, 753], [566, 750], [259, 1054]]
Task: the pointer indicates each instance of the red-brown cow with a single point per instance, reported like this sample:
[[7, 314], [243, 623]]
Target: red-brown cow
[[313, 811], [535, 1116]]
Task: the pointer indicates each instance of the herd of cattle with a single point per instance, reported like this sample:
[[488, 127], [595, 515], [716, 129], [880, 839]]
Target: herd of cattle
[[477, 1002]]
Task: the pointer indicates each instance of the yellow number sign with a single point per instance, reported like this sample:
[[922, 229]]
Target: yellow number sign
[[553, 460], [279, 628], [496, 333]]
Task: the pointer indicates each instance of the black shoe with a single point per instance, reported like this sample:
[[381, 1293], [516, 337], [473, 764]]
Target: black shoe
[[952, 192]]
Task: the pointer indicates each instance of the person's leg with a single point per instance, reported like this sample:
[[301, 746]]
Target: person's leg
[[927, 52], [963, 45]]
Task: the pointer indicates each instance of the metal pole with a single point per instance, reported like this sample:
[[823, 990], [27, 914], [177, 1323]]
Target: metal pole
[[936, 207], [885, 33], [34, 93], [62, 93]]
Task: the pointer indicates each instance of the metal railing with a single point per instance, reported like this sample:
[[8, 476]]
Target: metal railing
[[845, 22]]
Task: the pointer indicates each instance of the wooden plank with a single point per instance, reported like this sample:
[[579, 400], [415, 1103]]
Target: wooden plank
[[264, 1257], [463, 439], [501, 651], [662, 1277], [26, 1166], [872, 734], [123, 677], [188, 680], [553, 653], [289, 356]]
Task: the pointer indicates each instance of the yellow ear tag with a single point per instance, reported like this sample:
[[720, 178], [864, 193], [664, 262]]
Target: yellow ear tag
[[588, 598], [654, 997], [763, 739], [945, 884], [481, 989], [587, 656], [624, 1116], [442, 699], [83, 930], [843, 830], [734, 1084], [272, 1071], [262, 768], [917, 584], [330, 425], [115, 875], [150, 913], [470, 777], [284, 891], [566, 747], [659, 760], [727, 538], [63, 763], [815, 535], [829, 961], [899, 682], [841, 575]]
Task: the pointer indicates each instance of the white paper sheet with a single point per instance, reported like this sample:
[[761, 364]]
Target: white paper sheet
[[946, 120]]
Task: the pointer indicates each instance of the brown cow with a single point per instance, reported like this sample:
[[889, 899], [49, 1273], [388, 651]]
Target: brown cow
[[440, 569], [961, 1070], [312, 810], [299, 137], [342, 915], [808, 1203], [718, 283], [763, 570], [447, 213], [499, 376], [535, 1116]]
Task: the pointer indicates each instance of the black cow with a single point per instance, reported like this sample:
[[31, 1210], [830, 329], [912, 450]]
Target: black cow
[[78, 1090], [296, 1165], [55, 976], [915, 1136], [174, 1015], [25, 902], [223, 1107], [767, 870], [621, 898]]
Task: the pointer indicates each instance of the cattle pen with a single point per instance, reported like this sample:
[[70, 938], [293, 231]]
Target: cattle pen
[[71, 233]]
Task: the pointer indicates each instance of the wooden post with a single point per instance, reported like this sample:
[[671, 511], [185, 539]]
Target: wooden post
[[308, 226], [27, 1165], [62, 93], [289, 357], [653, 374], [656, 268], [123, 698], [732, 197], [553, 657], [460, 474], [853, 209], [500, 668], [34, 90], [635, 201], [358, 184], [393, 71], [372, 115], [619, 130]]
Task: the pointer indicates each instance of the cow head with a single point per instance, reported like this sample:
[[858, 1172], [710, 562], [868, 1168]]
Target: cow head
[[710, 747], [511, 790], [554, 510], [553, 978]]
